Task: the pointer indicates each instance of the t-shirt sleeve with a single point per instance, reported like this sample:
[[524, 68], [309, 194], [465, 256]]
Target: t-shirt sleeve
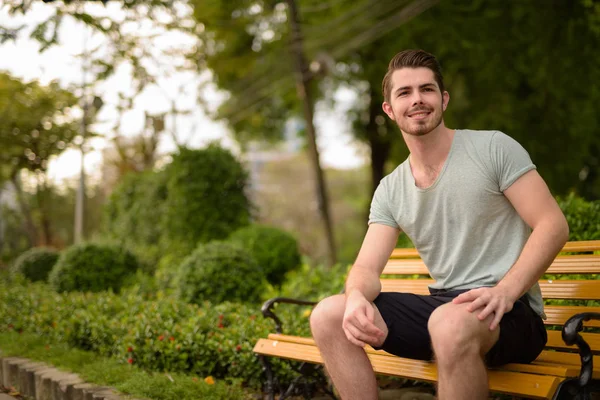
[[380, 212], [509, 160]]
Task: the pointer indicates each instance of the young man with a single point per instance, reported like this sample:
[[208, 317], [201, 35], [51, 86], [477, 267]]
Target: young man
[[484, 223]]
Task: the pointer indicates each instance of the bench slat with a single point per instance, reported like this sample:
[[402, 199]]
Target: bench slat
[[551, 289], [548, 362], [517, 383], [582, 245], [576, 264], [576, 246], [558, 315], [555, 341]]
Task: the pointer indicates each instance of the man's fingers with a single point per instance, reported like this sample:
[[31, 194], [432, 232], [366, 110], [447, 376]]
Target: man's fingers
[[368, 326], [489, 309], [496, 321], [465, 297], [354, 336]]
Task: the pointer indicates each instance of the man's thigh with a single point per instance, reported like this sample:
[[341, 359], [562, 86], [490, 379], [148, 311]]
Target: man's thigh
[[406, 316], [522, 332], [522, 336]]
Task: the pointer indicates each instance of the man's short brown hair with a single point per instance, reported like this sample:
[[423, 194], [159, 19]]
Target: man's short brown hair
[[411, 59]]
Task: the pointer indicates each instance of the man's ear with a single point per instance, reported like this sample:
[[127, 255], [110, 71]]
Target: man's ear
[[387, 108], [445, 100]]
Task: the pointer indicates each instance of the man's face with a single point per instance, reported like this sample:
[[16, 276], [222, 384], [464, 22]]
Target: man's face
[[416, 103]]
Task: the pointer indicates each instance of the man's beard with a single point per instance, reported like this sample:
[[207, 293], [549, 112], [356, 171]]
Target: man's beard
[[421, 129]]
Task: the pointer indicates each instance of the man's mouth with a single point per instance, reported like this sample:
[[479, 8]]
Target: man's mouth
[[419, 114]]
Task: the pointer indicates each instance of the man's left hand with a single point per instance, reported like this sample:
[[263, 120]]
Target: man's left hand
[[491, 299]]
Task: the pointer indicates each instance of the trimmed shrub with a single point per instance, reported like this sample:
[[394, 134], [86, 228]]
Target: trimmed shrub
[[92, 267], [133, 215], [35, 264], [206, 199], [275, 250], [165, 335], [218, 272], [198, 197], [312, 283], [583, 217]]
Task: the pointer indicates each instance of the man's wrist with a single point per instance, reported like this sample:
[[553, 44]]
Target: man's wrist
[[511, 290]]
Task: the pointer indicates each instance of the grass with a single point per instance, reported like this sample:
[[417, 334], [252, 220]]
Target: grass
[[127, 379]]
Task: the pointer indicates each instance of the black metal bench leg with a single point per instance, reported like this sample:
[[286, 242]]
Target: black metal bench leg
[[270, 386], [571, 390]]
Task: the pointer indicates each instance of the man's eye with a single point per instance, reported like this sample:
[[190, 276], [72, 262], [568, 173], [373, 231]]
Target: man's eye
[[402, 94]]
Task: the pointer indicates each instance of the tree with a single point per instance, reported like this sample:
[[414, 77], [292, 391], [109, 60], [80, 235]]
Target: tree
[[35, 125], [247, 46], [536, 81]]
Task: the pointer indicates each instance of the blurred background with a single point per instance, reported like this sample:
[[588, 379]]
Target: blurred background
[[290, 89], [168, 165]]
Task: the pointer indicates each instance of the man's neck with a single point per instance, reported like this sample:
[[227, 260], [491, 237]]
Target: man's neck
[[431, 150]]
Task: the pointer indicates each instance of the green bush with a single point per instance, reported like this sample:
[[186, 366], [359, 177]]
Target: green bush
[[165, 335], [197, 198], [583, 217], [218, 272], [311, 282], [35, 264], [133, 215], [275, 251], [206, 199], [92, 267]]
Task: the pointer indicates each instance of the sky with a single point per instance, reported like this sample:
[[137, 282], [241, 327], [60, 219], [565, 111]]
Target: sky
[[62, 62]]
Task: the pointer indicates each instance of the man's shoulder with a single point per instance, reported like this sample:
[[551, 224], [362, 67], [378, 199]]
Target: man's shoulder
[[396, 174], [479, 134]]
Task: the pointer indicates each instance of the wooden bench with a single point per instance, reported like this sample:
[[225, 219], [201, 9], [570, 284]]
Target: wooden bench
[[558, 373]]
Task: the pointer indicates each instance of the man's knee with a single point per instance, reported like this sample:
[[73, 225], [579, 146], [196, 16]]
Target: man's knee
[[327, 315], [456, 332]]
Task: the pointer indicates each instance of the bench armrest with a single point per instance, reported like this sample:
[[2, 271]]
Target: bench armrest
[[571, 336], [268, 305]]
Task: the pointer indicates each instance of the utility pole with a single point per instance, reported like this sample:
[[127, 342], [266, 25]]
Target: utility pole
[[80, 199], [303, 89]]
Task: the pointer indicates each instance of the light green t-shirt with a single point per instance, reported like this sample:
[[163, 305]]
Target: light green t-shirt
[[466, 231]]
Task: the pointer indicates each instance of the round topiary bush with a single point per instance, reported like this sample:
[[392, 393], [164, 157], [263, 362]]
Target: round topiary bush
[[206, 198], [275, 250], [36, 263], [218, 272], [92, 267]]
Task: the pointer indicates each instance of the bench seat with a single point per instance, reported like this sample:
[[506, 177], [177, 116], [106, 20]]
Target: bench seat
[[559, 365]]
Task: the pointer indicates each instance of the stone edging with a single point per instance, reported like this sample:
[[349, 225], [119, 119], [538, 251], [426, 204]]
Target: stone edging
[[39, 381]]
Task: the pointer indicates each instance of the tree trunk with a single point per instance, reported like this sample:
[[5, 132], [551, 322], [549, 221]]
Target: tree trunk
[[304, 94], [379, 141]]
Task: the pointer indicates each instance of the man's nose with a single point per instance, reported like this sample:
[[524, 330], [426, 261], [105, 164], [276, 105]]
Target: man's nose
[[416, 98]]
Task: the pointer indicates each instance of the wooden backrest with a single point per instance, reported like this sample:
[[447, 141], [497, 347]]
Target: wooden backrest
[[571, 285]]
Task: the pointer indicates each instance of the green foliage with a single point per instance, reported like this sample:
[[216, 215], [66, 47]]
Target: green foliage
[[33, 127], [92, 267], [312, 283], [105, 371], [15, 243], [36, 263], [218, 272], [206, 199], [583, 217], [165, 335], [134, 214], [275, 250], [197, 198]]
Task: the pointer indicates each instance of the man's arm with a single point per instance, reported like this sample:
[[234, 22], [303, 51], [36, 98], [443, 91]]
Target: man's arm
[[530, 196], [363, 285], [376, 249]]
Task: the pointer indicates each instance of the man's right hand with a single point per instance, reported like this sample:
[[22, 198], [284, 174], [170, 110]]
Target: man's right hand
[[358, 323]]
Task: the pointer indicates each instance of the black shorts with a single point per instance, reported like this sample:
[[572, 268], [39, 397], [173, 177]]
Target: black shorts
[[522, 332]]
